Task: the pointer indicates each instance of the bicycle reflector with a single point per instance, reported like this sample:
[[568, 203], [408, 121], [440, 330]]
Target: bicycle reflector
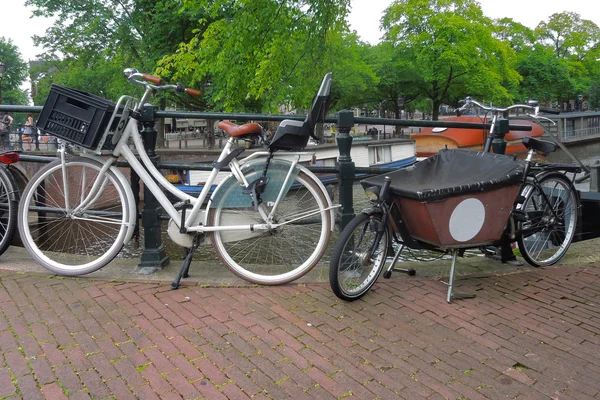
[[9, 158]]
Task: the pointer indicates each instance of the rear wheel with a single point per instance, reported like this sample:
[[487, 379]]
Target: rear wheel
[[359, 256], [283, 253], [550, 220]]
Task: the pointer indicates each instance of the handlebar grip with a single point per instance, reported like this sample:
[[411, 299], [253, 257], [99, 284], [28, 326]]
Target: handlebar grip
[[520, 127], [549, 110], [157, 80], [192, 92]]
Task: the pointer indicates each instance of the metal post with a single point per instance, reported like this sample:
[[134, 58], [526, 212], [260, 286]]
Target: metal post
[[500, 131], [154, 255], [346, 175], [595, 177]]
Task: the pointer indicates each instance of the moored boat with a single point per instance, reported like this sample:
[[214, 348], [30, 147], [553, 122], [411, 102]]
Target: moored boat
[[392, 153], [431, 140]]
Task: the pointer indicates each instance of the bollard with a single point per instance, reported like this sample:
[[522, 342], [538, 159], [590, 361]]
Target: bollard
[[595, 176], [154, 255], [346, 174]]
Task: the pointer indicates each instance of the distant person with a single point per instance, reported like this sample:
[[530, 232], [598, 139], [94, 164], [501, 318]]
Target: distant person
[[28, 132], [5, 123]]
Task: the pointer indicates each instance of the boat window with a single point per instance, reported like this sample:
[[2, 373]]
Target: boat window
[[325, 162], [380, 155]]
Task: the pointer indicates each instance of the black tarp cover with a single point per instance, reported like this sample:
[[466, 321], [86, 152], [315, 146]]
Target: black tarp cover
[[451, 173]]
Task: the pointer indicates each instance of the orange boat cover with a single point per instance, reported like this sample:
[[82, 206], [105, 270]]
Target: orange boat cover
[[430, 140]]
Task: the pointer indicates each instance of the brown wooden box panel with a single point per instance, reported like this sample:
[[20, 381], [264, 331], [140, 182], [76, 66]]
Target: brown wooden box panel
[[431, 221]]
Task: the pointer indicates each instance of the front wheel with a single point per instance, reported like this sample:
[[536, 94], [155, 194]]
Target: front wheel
[[64, 235], [9, 203], [287, 251], [550, 209], [359, 256]]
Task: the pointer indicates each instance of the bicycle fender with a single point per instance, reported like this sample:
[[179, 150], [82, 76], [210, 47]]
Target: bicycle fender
[[230, 191], [330, 205]]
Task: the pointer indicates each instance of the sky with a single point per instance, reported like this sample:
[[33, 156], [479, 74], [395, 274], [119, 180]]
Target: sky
[[364, 17]]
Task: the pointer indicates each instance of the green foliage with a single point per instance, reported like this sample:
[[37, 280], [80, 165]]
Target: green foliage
[[545, 77], [569, 35], [257, 54], [15, 74], [92, 41], [260, 55], [453, 49]]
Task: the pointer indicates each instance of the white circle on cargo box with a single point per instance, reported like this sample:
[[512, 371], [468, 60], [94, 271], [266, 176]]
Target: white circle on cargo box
[[467, 220]]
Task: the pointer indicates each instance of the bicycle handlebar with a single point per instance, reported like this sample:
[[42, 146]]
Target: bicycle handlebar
[[531, 105], [153, 82]]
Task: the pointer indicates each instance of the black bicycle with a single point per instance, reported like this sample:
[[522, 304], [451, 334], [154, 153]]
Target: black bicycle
[[9, 198], [456, 200]]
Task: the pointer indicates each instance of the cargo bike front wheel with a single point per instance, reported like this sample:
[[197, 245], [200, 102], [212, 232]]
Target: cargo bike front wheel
[[359, 256]]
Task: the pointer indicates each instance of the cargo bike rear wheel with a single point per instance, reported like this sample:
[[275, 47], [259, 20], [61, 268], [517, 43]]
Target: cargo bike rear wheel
[[550, 212]]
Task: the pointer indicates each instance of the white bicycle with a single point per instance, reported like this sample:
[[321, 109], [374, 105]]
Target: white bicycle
[[269, 220]]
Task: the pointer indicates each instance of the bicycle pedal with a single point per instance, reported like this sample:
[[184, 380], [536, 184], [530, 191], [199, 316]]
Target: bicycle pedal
[[182, 204]]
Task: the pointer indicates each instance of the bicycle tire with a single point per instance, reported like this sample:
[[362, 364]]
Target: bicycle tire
[[9, 204], [353, 270], [542, 240], [266, 257], [68, 243]]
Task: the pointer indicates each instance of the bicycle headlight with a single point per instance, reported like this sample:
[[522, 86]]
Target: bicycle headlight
[[372, 193]]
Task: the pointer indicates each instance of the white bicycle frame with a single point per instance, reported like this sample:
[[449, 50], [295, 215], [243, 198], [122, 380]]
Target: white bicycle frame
[[154, 180]]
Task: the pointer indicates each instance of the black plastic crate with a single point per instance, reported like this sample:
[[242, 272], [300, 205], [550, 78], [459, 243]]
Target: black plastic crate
[[76, 116]]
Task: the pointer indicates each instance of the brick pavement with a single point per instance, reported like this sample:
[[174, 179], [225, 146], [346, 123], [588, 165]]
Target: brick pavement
[[528, 335]]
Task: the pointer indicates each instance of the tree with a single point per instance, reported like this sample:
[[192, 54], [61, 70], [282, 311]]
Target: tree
[[398, 76], [92, 41], [257, 54], [15, 74], [452, 46], [576, 42], [546, 78], [520, 37], [569, 35]]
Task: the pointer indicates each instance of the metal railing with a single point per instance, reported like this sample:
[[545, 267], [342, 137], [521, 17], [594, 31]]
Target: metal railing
[[580, 134], [154, 254]]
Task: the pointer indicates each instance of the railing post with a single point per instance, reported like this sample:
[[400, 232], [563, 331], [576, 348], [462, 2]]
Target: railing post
[[346, 174], [595, 177], [500, 131], [154, 255]]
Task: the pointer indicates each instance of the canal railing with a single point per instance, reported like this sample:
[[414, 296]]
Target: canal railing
[[154, 254]]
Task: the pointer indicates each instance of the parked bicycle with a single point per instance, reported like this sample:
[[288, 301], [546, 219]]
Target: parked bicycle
[[455, 200], [9, 199], [269, 221]]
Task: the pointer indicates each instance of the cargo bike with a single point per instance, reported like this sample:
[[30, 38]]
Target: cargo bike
[[456, 200]]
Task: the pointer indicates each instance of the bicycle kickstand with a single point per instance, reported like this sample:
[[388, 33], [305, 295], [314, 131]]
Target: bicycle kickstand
[[185, 267], [451, 294]]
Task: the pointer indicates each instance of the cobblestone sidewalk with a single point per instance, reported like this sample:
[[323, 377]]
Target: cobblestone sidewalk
[[527, 335]]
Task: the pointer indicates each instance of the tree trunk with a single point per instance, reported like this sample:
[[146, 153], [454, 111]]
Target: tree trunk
[[435, 113]]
